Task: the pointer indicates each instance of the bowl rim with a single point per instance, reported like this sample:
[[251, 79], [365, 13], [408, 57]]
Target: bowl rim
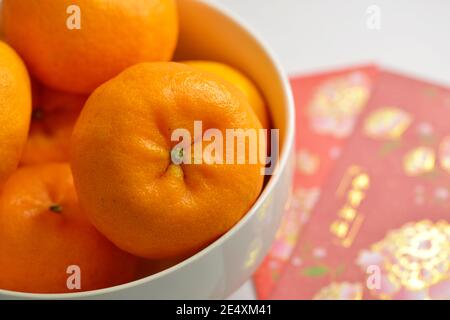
[[288, 143]]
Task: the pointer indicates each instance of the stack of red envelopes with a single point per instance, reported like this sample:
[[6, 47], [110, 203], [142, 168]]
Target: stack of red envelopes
[[370, 211]]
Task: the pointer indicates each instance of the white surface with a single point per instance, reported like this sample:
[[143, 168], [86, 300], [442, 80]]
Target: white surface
[[246, 292], [313, 35]]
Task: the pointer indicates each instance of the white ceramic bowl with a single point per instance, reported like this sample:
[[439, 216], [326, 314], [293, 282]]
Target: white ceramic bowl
[[211, 32]]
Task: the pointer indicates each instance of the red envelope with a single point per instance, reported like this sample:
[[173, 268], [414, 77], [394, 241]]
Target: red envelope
[[328, 106], [381, 227]]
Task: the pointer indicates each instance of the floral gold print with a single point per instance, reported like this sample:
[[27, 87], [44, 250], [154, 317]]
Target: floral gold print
[[414, 261], [387, 123], [307, 162], [337, 103], [340, 291], [419, 161]]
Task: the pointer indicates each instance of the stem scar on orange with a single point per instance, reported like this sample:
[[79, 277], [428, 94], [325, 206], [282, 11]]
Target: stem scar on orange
[[15, 109], [43, 232], [121, 160]]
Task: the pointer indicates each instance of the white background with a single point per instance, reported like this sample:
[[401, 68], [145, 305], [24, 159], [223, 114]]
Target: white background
[[315, 35], [311, 35]]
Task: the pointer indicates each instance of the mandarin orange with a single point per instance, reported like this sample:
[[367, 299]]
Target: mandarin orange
[[15, 109], [44, 234], [76, 45], [122, 160], [53, 119], [241, 81]]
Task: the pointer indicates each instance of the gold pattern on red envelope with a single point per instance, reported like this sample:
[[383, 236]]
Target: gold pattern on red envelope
[[327, 106], [414, 262], [353, 187], [340, 291], [387, 123], [444, 154], [419, 161], [337, 103], [303, 201], [400, 250], [307, 162]]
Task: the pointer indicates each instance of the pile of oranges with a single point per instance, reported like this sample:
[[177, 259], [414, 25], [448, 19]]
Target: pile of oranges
[[89, 195]]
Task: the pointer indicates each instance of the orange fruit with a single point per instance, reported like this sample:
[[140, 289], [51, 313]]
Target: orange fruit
[[1, 24], [53, 119], [76, 45], [50, 100], [15, 109], [43, 232], [241, 81], [123, 170]]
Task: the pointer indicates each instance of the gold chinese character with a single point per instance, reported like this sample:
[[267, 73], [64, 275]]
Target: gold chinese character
[[361, 181], [355, 197], [339, 228], [347, 213]]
